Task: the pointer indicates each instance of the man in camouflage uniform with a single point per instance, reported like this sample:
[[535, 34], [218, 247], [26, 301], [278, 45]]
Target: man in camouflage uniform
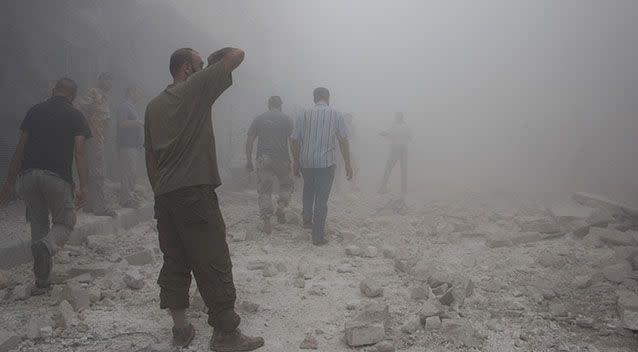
[[95, 107]]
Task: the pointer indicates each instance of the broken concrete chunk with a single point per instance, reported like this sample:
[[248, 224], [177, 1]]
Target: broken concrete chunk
[[430, 308], [383, 346], [299, 282], [389, 252], [551, 260], [81, 279], [4, 279], [256, 265], [497, 241], [618, 272], [538, 224], [309, 343], [318, 290], [134, 279], [363, 333], [354, 251], [95, 294], [248, 307], [95, 269], [432, 323], [65, 316], [374, 312], [345, 268], [22, 292], [582, 281], [447, 298], [77, 297], [141, 258], [371, 252], [35, 326], [411, 326], [420, 293], [63, 257], [270, 271], [402, 265], [628, 309], [613, 237], [526, 238], [8, 340], [371, 288]]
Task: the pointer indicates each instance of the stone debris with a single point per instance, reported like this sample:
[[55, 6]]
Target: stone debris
[[526, 238], [63, 257], [345, 268], [432, 323], [299, 282], [360, 333], [4, 279], [628, 309], [256, 265], [402, 265], [582, 281], [497, 241], [318, 290], [354, 251], [22, 292], [411, 326], [389, 252], [8, 340], [371, 252], [65, 316], [617, 273], [158, 348], [383, 346], [134, 279], [309, 342], [35, 326], [95, 294], [420, 293], [141, 258], [248, 307], [461, 334], [613, 237], [538, 224], [238, 236], [430, 308], [270, 271], [81, 279], [551, 260], [371, 288], [293, 218], [447, 298], [76, 296], [95, 269], [570, 210], [440, 290]]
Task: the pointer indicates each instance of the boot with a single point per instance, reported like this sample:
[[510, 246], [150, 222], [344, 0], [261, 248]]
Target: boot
[[234, 341]]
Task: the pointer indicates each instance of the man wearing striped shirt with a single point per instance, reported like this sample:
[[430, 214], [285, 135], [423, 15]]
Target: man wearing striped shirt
[[314, 140]]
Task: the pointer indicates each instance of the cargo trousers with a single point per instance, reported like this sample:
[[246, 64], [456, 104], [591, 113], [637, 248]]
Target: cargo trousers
[[269, 170], [192, 238]]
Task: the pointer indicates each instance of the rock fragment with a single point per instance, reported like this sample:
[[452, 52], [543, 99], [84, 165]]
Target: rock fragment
[[430, 308], [270, 271], [383, 346], [582, 281], [628, 309], [35, 326], [432, 323], [309, 342], [63, 257], [134, 279], [613, 237], [618, 272], [389, 252], [248, 307], [538, 224], [95, 269], [256, 265], [447, 298], [299, 282], [65, 316], [360, 333], [371, 288], [76, 296], [371, 252], [22, 292], [141, 258], [420, 293], [354, 251], [4, 279], [411, 326]]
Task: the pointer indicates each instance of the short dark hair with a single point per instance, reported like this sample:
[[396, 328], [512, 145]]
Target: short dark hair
[[274, 102], [321, 93], [66, 86], [179, 58]]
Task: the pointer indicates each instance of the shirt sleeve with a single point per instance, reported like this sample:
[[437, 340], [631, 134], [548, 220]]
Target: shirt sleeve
[[342, 129], [81, 127], [208, 84], [27, 122]]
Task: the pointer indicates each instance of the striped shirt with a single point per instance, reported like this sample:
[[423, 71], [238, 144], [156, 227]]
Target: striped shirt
[[317, 129]]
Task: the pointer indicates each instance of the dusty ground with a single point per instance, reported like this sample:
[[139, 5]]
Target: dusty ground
[[520, 303]]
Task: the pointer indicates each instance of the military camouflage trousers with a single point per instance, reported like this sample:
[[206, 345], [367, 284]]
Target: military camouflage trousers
[[269, 170]]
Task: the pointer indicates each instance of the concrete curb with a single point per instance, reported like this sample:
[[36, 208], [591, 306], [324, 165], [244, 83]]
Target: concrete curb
[[20, 252]]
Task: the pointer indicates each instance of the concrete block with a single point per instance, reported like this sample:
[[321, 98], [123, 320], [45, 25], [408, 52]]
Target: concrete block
[[433, 323], [76, 296], [22, 292], [354, 251], [141, 258], [430, 308], [36, 324], [617, 273], [363, 333]]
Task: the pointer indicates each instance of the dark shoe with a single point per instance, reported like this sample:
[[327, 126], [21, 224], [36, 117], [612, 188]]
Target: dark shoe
[[40, 289], [234, 341], [42, 261], [320, 242], [182, 337]]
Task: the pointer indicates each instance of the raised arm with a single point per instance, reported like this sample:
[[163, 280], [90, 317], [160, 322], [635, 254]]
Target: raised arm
[[231, 57], [8, 191]]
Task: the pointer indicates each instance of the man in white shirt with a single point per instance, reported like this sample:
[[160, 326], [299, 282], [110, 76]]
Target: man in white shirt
[[399, 136], [314, 140]]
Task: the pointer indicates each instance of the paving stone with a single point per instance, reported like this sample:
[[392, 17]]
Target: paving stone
[[141, 258], [628, 309], [430, 308], [371, 288], [389, 252], [420, 293], [95, 269], [65, 316], [582, 281], [411, 326], [371, 252], [363, 333], [22, 292], [134, 279], [76, 296], [36, 324], [432, 323], [8, 340], [383, 346], [309, 343], [618, 272], [354, 251], [248, 307]]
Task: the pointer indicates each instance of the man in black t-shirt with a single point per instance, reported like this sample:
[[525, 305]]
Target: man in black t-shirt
[[53, 132]]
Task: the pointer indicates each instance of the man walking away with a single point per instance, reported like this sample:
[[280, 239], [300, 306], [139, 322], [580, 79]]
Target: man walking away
[[273, 129], [95, 107], [53, 132], [314, 140], [399, 136], [182, 169], [130, 137]]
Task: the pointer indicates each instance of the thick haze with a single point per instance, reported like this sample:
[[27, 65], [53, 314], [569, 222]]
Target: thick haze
[[538, 95]]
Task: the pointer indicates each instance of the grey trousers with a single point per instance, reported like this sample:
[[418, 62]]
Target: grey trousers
[[46, 194], [128, 161]]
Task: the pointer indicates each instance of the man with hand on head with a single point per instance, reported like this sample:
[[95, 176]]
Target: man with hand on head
[[53, 133], [182, 169]]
